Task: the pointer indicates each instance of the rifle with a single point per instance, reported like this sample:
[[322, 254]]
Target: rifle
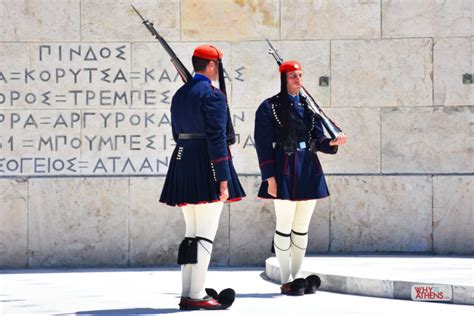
[[183, 72], [313, 106], [186, 75]]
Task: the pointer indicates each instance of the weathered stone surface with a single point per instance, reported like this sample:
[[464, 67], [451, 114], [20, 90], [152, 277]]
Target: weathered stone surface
[[214, 20], [164, 78], [381, 73], [82, 75], [13, 223], [463, 295], [329, 19], [260, 78], [111, 20], [318, 232], [127, 142], [373, 213], [252, 225], [105, 142], [30, 139], [426, 18], [257, 81], [41, 20], [78, 222], [156, 229], [243, 152], [402, 289], [221, 250], [15, 57], [381, 93], [361, 153], [370, 287], [453, 214], [453, 57], [333, 283], [272, 270], [65, 75], [426, 139]]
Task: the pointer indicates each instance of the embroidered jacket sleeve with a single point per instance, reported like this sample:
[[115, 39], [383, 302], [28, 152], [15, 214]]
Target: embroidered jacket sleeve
[[263, 136], [215, 115], [321, 141]]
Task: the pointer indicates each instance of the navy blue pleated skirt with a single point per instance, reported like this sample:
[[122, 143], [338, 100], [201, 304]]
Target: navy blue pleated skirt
[[190, 180], [299, 177]]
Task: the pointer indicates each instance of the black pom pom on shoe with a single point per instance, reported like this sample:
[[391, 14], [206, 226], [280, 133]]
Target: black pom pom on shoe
[[212, 293], [299, 286], [295, 288], [314, 282], [226, 297]]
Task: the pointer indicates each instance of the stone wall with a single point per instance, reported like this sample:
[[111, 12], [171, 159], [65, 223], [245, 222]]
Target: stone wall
[[85, 133]]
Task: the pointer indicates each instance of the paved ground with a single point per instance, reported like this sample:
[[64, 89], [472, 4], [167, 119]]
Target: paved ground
[[156, 291]]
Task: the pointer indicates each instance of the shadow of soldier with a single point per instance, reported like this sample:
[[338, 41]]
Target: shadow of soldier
[[130, 311]]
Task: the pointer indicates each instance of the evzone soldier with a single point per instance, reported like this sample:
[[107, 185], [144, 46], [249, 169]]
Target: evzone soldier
[[201, 176], [287, 137]]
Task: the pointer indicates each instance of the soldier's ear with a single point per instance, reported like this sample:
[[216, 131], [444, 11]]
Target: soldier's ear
[[210, 65]]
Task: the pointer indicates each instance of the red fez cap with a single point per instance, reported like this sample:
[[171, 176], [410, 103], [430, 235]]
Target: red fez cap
[[289, 66], [208, 52]]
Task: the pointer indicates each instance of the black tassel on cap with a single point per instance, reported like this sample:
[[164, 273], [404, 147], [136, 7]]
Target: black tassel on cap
[[230, 132]]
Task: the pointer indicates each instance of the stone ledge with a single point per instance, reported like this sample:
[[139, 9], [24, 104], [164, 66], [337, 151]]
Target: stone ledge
[[386, 276]]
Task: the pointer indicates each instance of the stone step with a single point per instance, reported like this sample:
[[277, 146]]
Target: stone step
[[387, 276]]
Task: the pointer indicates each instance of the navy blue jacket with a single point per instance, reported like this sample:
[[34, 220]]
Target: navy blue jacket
[[298, 173], [199, 108], [199, 164]]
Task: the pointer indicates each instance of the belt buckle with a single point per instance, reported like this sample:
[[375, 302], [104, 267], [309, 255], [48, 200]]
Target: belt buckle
[[301, 146]]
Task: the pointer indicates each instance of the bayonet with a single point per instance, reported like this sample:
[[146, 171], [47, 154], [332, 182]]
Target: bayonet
[[183, 72]]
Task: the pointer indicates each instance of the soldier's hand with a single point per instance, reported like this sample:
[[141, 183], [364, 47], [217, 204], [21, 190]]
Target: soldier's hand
[[272, 187], [224, 191], [340, 140]]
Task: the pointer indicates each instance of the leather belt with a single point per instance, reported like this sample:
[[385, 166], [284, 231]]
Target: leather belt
[[299, 147], [191, 136]]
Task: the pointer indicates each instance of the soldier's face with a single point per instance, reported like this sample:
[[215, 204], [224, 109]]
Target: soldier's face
[[294, 81], [214, 70]]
